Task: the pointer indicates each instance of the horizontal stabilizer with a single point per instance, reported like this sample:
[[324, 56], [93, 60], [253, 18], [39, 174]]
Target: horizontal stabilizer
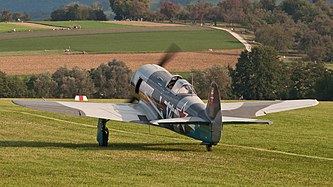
[[186, 120]]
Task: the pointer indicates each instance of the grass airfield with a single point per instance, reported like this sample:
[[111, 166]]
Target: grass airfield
[[45, 149]]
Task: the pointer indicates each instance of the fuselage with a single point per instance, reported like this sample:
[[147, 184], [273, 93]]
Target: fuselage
[[170, 96]]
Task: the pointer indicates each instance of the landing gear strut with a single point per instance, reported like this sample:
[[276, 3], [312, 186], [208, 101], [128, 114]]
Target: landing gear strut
[[209, 147], [102, 133]]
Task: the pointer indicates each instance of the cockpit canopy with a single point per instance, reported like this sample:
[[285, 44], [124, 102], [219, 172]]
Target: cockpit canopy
[[178, 85]]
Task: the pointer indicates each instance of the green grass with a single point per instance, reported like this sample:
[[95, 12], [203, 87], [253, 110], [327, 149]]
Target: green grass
[[126, 42], [36, 149], [83, 24], [7, 27], [185, 75]]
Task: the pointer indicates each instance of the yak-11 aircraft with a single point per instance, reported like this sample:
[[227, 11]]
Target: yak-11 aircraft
[[169, 101]]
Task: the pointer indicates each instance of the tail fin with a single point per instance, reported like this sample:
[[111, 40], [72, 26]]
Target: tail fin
[[214, 112]]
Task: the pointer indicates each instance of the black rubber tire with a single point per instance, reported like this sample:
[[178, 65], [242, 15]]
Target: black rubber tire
[[209, 148], [105, 137]]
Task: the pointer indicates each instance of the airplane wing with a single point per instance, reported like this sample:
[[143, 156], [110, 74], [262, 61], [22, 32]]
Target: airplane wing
[[241, 112], [118, 112]]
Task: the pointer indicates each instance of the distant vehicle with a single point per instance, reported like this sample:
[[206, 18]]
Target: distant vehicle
[[169, 101]]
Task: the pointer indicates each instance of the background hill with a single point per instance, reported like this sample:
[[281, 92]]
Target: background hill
[[40, 10]]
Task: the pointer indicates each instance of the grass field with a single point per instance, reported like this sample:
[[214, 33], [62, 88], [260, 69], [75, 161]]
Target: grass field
[[83, 24], [126, 42], [6, 27], [45, 149]]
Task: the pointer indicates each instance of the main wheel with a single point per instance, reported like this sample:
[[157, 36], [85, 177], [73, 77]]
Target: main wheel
[[105, 137], [209, 148]]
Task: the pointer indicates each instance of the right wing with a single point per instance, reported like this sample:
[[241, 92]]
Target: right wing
[[119, 112]]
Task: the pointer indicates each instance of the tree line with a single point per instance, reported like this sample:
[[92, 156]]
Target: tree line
[[7, 15], [110, 80], [77, 11], [258, 75]]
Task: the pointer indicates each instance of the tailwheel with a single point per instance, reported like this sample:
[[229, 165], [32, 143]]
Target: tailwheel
[[102, 133], [209, 147]]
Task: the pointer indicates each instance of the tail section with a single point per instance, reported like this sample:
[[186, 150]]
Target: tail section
[[214, 112]]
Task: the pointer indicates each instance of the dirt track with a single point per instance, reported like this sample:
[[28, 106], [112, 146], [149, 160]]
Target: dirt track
[[33, 25], [183, 62]]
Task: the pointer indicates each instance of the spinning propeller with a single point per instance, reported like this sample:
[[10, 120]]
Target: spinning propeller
[[170, 54]]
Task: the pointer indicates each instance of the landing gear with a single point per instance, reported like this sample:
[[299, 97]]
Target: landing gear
[[102, 133], [209, 147]]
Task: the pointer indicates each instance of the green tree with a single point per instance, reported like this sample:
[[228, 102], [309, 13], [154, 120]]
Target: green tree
[[16, 16], [73, 82], [277, 36], [259, 75], [203, 79], [324, 87], [300, 10], [75, 11], [130, 9], [232, 11], [169, 9], [111, 80], [303, 79], [200, 83], [5, 15], [267, 4], [42, 85], [200, 10], [4, 89], [318, 48], [58, 15]]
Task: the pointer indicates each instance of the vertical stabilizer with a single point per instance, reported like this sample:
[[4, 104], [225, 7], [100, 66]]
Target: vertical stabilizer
[[214, 112]]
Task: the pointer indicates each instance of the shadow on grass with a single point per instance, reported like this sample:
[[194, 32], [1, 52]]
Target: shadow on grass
[[112, 146]]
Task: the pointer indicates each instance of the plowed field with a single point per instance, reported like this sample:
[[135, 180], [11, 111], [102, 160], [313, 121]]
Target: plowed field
[[183, 62]]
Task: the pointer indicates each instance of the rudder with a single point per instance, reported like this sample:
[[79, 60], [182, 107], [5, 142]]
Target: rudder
[[214, 112]]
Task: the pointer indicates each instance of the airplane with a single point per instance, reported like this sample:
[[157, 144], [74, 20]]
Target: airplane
[[169, 101]]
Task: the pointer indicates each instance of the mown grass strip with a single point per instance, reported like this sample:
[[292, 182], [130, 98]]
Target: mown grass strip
[[201, 40], [83, 24], [8, 27]]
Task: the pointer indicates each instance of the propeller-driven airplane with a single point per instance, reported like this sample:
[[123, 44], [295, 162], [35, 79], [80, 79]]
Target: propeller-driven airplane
[[169, 101]]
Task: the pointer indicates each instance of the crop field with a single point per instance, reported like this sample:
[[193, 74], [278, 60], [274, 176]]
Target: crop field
[[45, 62], [45, 149], [24, 53], [200, 40], [83, 24], [7, 27]]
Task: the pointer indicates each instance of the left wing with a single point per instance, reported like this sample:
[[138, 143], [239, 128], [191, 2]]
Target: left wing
[[118, 112], [241, 112]]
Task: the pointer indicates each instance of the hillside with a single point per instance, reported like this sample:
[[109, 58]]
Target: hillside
[[39, 10]]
